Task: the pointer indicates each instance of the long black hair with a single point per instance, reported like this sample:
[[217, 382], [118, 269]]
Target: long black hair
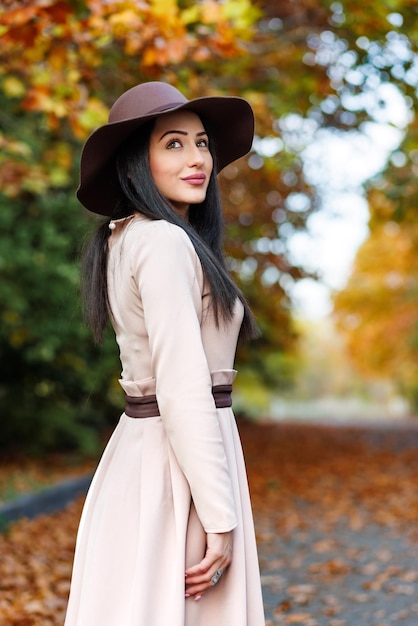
[[204, 228]]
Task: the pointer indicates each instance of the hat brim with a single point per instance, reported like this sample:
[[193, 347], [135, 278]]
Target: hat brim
[[231, 122]]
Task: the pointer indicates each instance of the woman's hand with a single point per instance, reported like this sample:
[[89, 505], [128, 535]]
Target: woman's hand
[[217, 558]]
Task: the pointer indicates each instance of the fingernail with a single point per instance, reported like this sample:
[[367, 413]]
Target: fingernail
[[197, 598], [187, 595]]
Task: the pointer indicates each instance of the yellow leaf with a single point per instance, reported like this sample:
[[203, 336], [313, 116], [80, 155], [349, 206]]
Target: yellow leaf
[[211, 12], [190, 15], [95, 114], [13, 87], [161, 8], [125, 22], [18, 148], [241, 12]]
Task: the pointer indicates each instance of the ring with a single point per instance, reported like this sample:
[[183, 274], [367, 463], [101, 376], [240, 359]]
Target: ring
[[216, 576]]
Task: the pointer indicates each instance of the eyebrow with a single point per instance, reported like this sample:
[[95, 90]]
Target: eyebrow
[[181, 132]]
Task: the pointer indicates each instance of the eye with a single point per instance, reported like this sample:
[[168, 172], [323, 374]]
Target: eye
[[174, 143], [203, 143]]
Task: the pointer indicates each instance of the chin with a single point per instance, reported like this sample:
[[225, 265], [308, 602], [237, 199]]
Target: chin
[[186, 202], [198, 198]]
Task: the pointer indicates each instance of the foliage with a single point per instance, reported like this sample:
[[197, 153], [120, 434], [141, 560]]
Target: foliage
[[59, 62], [47, 390], [303, 66], [314, 65], [377, 311]]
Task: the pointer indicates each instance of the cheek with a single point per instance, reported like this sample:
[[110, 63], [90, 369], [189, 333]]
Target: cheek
[[158, 171], [153, 164]]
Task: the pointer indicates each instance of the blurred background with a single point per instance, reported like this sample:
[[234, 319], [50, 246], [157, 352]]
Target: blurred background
[[321, 221]]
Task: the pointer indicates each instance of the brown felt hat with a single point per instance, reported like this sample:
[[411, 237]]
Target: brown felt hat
[[231, 123]]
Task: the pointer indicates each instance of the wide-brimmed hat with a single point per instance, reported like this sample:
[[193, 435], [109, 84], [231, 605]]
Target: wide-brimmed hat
[[231, 122]]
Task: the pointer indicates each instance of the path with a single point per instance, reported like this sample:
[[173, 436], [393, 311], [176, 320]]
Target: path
[[339, 543], [339, 577], [336, 511]]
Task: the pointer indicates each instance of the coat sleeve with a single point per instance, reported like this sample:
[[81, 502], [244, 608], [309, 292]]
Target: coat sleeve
[[165, 268]]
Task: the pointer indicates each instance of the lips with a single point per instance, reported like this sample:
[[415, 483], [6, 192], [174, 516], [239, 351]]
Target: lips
[[195, 179]]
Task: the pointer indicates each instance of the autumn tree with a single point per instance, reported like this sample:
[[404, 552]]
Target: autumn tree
[[315, 67], [303, 65], [377, 311], [62, 64]]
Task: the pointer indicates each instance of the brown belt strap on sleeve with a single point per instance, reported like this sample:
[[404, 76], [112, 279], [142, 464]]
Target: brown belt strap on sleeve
[[143, 406], [222, 396], [147, 406]]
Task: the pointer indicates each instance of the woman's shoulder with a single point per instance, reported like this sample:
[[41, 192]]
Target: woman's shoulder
[[153, 248], [141, 241], [161, 233]]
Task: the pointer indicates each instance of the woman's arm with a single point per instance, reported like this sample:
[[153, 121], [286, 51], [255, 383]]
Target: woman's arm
[[168, 275]]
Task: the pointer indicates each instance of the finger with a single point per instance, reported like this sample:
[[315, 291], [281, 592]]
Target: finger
[[203, 571], [199, 590], [216, 577], [200, 569], [199, 584], [210, 562]]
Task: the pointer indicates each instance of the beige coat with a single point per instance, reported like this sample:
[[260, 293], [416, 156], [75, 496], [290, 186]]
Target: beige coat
[[164, 481]]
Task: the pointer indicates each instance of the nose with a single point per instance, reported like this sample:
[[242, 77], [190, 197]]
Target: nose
[[196, 158]]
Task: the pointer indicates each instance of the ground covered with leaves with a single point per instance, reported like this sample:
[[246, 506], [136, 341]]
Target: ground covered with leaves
[[336, 511]]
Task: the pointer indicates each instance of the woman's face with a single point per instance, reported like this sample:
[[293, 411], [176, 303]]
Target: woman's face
[[180, 160]]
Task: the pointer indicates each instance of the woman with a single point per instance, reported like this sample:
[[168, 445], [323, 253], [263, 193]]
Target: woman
[[166, 537]]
